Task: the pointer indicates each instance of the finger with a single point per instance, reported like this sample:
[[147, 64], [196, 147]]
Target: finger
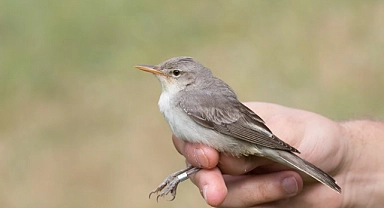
[[251, 190], [211, 185], [240, 165], [198, 155], [179, 144]]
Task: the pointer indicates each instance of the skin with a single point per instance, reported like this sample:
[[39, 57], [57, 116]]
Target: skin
[[349, 151]]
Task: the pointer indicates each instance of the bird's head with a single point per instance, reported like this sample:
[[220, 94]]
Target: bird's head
[[177, 73]]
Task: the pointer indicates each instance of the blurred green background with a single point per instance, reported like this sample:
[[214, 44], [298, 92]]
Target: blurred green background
[[80, 127]]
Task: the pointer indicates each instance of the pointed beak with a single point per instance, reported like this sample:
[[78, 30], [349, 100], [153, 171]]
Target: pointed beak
[[150, 68]]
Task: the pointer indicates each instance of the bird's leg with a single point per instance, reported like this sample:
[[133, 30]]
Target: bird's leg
[[169, 185]]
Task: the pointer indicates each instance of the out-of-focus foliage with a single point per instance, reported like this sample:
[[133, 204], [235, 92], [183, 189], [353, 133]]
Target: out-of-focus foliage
[[79, 126]]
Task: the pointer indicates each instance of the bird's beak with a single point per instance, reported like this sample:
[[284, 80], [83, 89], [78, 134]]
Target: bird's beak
[[150, 68]]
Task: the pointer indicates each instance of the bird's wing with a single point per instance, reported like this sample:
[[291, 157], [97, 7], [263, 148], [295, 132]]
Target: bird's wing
[[225, 114]]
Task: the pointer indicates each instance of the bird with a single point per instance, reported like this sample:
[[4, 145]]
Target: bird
[[201, 108]]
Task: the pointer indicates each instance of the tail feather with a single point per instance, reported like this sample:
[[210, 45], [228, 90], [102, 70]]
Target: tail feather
[[296, 162]]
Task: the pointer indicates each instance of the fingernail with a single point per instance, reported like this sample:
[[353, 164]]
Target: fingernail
[[201, 158], [290, 185], [204, 192]]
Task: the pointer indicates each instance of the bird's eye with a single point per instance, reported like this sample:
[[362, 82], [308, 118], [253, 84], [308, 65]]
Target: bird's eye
[[176, 72]]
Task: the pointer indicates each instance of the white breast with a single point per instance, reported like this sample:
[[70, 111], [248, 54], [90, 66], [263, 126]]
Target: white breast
[[181, 125]]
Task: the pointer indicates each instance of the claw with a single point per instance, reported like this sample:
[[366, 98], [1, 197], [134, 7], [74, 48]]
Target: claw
[[150, 194], [169, 185], [173, 197]]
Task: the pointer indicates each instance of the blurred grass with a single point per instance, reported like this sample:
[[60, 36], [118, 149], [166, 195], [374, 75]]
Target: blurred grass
[[79, 126]]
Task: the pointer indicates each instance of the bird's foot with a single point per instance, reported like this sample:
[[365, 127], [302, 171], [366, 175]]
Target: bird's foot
[[169, 185]]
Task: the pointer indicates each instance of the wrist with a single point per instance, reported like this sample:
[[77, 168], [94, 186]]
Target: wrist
[[363, 168]]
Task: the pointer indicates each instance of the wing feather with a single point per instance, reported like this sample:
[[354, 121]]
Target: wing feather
[[225, 114]]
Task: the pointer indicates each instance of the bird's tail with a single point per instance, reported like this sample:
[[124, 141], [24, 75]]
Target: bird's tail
[[296, 162]]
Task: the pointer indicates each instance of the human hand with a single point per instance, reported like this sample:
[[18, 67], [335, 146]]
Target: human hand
[[228, 181]]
